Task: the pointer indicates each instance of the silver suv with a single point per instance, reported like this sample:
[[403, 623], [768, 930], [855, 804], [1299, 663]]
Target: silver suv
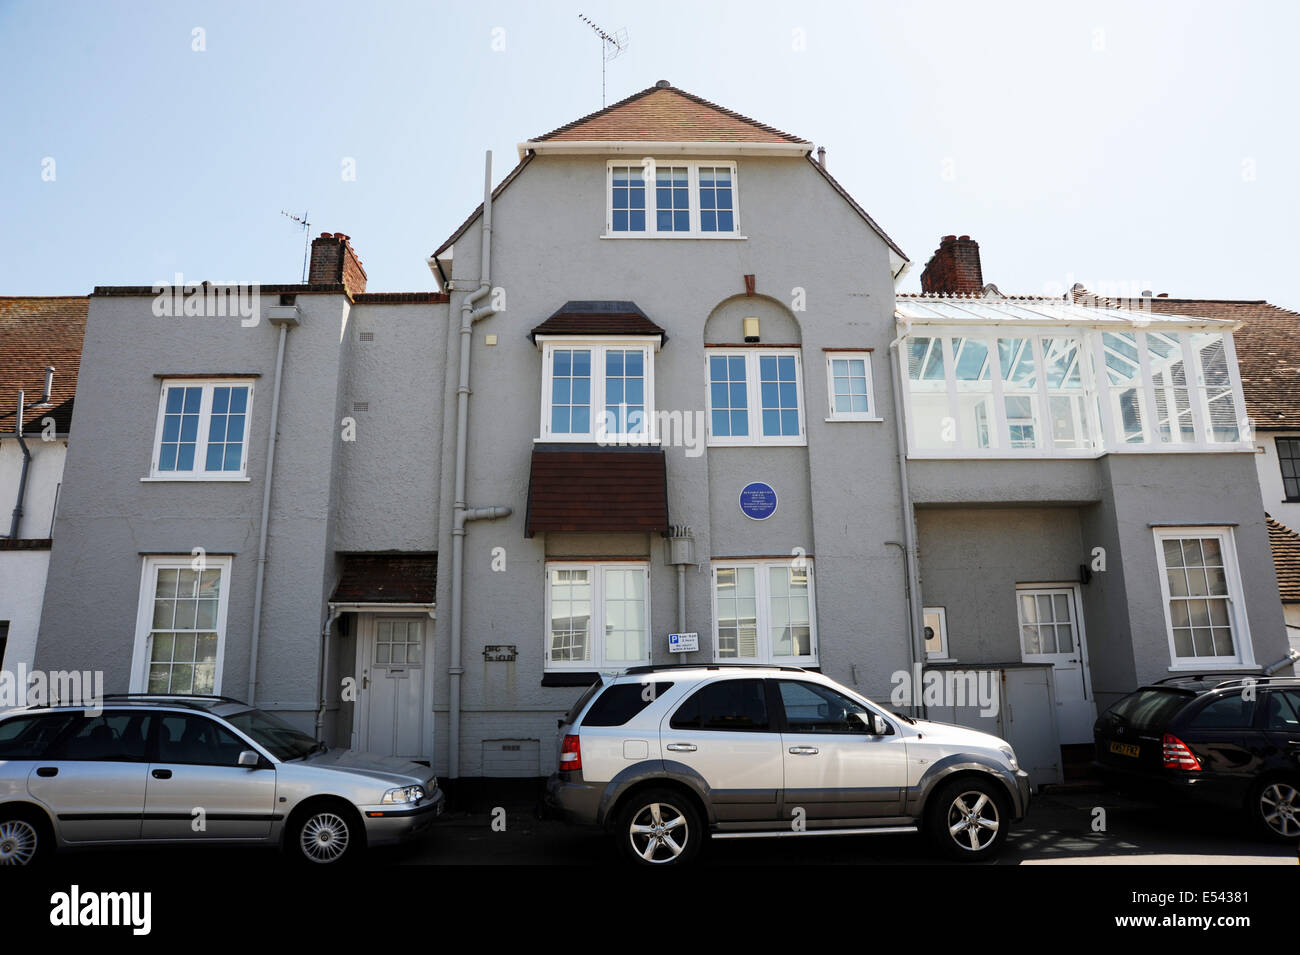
[[196, 770], [665, 757]]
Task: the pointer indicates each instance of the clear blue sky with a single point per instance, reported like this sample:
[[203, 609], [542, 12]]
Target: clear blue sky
[[1125, 145]]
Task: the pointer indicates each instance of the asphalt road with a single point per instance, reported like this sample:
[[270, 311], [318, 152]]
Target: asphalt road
[[1058, 830]]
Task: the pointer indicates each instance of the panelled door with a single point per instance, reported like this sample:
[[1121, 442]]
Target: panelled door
[[393, 718], [1051, 631]]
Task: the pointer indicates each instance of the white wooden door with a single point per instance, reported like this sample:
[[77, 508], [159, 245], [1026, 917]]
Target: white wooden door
[[392, 716], [1051, 631]]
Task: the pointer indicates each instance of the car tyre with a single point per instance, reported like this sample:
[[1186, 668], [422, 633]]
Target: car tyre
[[659, 828], [968, 819], [325, 834], [1275, 809], [25, 838]]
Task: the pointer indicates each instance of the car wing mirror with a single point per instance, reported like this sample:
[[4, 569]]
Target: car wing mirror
[[874, 723], [250, 758]]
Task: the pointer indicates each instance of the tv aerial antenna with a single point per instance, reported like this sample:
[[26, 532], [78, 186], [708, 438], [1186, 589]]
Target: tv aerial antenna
[[612, 46], [306, 242]]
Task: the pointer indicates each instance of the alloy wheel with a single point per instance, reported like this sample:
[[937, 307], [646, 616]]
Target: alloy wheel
[[659, 833], [1279, 806], [973, 820], [18, 842], [324, 837]]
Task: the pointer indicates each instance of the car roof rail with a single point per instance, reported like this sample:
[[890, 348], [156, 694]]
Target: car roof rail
[[657, 667], [193, 701], [1256, 680], [1192, 677]]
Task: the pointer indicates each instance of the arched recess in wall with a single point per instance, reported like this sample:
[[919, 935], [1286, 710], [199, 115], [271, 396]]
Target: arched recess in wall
[[777, 324]]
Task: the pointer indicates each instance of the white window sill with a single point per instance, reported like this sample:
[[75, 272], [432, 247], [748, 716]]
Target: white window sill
[[844, 420], [675, 235], [610, 441], [197, 478], [929, 659], [714, 443], [1207, 665]]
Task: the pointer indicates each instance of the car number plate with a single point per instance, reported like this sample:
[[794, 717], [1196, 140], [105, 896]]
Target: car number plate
[[1124, 749]]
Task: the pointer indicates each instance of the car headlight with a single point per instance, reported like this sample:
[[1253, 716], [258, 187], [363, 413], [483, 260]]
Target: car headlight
[[407, 794], [1010, 754]]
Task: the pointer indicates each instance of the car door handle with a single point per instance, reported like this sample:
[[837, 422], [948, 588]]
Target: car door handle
[[162, 774], [48, 771], [804, 750], [681, 747]]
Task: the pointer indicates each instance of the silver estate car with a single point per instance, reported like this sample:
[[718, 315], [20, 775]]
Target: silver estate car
[[190, 770], [665, 757]]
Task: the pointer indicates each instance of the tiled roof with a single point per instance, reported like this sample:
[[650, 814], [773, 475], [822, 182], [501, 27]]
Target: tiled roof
[[35, 332], [665, 114], [598, 318], [388, 578], [597, 489], [1268, 352], [1286, 559]]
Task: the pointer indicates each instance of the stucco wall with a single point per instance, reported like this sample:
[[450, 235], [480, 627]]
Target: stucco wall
[[44, 476], [23, 575], [838, 496]]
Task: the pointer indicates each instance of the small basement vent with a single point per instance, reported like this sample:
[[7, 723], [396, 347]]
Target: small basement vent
[[360, 406], [512, 758], [366, 336]]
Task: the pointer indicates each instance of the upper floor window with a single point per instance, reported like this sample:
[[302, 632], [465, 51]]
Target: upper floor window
[[673, 199], [1288, 456], [1069, 391], [597, 390], [848, 383], [202, 430], [755, 396]]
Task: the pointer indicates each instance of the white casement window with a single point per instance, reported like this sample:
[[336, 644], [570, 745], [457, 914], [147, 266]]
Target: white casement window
[[755, 396], [936, 632], [181, 625], [764, 612], [1201, 589], [598, 615], [848, 386], [598, 391], [672, 199], [1070, 391], [202, 430]]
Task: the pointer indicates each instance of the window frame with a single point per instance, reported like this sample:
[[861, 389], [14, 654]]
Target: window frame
[[597, 636], [205, 422], [144, 630], [1293, 457], [763, 618], [648, 344], [1244, 658], [753, 398], [693, 194], [942, 633], [872, 413]]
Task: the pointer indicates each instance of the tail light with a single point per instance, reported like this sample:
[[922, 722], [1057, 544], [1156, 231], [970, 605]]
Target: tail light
[[1177, 755], [570, 754]]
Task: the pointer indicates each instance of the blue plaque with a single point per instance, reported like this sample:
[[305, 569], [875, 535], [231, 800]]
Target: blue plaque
[[758, 501]]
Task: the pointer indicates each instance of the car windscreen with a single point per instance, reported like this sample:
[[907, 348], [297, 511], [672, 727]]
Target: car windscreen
[[1149, 710], [282, 740], [622, 701]]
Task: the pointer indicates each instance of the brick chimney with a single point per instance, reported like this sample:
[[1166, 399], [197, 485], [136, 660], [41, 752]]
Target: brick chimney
[[334, 262], [954, 268]]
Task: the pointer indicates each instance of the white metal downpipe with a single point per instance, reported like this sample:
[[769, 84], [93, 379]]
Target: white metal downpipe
[[463, 514], [255, 635], [916, 643]]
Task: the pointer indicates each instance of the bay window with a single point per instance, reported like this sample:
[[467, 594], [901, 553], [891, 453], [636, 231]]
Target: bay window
[[593, 391]]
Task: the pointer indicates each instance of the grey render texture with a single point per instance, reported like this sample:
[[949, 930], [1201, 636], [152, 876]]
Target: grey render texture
[[984, 526]]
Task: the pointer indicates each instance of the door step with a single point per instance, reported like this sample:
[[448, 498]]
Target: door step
[[774, 833]]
